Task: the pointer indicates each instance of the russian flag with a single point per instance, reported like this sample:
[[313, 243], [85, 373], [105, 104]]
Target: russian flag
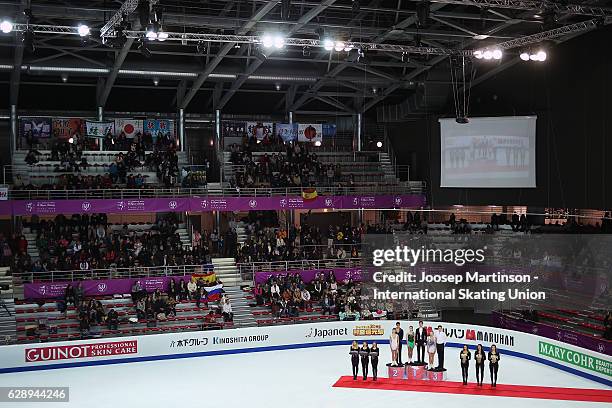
[[213, 292]]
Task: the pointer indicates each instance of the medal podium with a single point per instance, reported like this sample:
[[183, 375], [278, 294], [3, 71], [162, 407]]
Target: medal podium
[[415, 372]]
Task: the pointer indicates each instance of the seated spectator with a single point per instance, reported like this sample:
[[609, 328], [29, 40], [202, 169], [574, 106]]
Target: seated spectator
[[112, 319]]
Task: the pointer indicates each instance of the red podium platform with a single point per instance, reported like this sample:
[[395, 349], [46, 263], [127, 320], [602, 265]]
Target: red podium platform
[[397, 373], [414, 372]]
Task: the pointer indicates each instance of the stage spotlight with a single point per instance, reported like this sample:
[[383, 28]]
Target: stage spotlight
[[279, 42], [328, 45], [541, 56], [487, 54], [339, 46], [71, 140], [379, 144], [306, 51], [156, 81], [524, 56], [28, 40], [533, 57], [151, 33], [162, 36], [478, 54], [318, 143], [6, 26], [348, 47], [374, 90], [277, 87], [83, 30], [405, 57], [267, 41], [144, 50], [497, 54], [64, 78]]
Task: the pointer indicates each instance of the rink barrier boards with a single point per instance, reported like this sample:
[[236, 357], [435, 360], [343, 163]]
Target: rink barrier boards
[[104, 351]]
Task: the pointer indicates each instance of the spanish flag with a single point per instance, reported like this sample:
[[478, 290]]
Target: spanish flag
[[209, 277], [309, 193]]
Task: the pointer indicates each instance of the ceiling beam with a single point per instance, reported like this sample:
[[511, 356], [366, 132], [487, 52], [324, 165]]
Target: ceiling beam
[[210, 67], [119, 59], [305, 19]]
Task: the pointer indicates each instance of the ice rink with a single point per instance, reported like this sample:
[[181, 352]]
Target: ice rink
[[288, 378]]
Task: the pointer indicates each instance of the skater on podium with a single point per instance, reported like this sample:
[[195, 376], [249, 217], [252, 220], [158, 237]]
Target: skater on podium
[[394, 343], [400, 333], [420, 338], [410, 343], [440, 342]]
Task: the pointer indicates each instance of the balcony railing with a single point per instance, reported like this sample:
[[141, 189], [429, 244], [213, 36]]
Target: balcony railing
[[413, 187], [247, 270]]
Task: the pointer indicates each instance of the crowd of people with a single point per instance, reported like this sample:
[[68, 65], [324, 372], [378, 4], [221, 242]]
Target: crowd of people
[[296, 168], [163, 160], [267, 243], [288, 295], [87, 242]]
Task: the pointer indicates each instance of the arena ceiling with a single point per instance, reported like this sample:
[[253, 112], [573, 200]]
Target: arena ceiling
[[243, 77]]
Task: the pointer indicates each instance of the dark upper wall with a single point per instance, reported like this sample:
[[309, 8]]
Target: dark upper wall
[[571, 93]]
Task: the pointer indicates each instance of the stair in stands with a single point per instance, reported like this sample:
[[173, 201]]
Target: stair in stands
[[242, 311], [227, 272], [387, 167]]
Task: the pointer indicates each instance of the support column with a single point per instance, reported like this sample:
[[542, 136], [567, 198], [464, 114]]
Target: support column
[[14, 130], [358, 133], [218, 148], [100, 117], [181, 129], [290, 118]]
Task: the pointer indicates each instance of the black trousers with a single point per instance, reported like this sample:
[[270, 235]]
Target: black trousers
[[421, 352], [399, 352], [364, 367], [440, 351], [464, 371], [355, 368], [375, 368], [493, 369], [479, 373]]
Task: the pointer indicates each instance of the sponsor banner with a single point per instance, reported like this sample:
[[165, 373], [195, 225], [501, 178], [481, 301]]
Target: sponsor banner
[[341, 274], [99, 287], [577, 339], [159, 127], [259, 129], [131, 127], [80, 351], [287, 132], [42, 207], [310, 132], [40, 127], [99, 129], [65, 128], [513, 344]]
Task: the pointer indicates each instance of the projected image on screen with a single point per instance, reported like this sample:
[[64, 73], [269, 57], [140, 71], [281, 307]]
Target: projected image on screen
[[488, 152]]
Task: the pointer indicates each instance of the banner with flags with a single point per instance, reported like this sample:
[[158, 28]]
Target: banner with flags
[[65, 128], [99, 128], [259, 129], [213, 292], [329, 130], [130, 127], [159, 127], [310, 132], [309, 194], [209, 277], [40, 127], [287, 132], [233, 129]]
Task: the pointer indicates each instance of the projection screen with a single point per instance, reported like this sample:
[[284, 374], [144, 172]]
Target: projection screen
[[495, 152]]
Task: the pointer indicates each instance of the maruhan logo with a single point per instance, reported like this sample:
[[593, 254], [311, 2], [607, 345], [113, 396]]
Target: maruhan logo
[[323, 333]]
